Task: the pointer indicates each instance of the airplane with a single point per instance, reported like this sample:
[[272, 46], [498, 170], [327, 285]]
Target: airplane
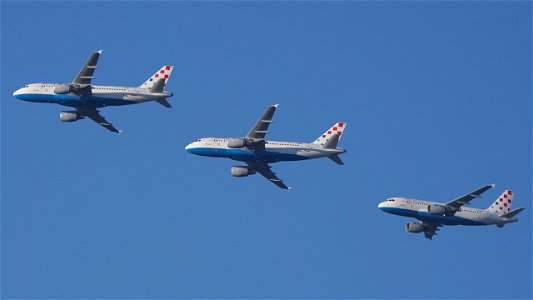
[[257, 152], [86, 98], [434, 214]]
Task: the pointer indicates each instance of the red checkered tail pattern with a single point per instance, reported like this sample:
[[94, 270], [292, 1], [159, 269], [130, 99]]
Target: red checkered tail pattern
[[503, 203], [164, 72], [331, 135]]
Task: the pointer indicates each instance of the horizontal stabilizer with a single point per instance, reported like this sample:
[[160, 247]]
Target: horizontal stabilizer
[[164, 102], [336, 159], [512, 213]]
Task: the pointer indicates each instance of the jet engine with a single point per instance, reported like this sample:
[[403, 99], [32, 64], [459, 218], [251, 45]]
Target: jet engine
[[64, 88], [435, 209], [414, 227], [70, 116], [239, 142], [241, 171]]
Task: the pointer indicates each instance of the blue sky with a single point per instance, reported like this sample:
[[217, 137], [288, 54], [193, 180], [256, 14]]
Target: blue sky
[[438, 100]]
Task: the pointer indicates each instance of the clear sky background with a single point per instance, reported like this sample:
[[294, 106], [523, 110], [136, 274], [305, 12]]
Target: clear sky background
[[438, 100]]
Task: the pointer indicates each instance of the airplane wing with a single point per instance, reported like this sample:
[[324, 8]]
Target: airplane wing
[[260, 129], [265, 170], [94, 114], [430, 229], [457, 203], [85, 76]]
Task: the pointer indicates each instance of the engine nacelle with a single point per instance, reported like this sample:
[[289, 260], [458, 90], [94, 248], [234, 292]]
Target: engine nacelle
[[66, 88], [241, 171], [236, 143], [414, 227], [62, 88], [70, 116], [436, 209]]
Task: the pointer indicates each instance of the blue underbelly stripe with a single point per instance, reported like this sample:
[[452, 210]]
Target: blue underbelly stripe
[[74, 101], [424, 216], [244, 155]]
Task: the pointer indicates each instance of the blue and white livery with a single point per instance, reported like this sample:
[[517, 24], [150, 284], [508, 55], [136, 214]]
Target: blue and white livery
[[87, 98], [257, 152], [433, 214]]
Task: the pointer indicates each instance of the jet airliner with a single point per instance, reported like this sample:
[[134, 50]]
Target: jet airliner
[[257, 152], [86, 98], [434, 215]]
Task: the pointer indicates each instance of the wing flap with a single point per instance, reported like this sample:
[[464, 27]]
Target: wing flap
[[94, 114], [458, 202], [260, 128], [265, 170], [430, 229], [85, 76]]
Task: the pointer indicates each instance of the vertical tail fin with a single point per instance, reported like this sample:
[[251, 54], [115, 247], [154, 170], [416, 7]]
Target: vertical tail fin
[[331, 137], [503, 203], [158, 86], [164, 73]]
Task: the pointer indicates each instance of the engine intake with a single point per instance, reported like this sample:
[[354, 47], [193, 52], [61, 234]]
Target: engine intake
[[241, 171], [414, 227], [70, 116], [435, 209]]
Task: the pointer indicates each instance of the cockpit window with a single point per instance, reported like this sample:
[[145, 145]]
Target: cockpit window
[[199, 140], [390, 200]]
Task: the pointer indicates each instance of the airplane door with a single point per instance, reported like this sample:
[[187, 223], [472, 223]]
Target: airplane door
[[36, 88]]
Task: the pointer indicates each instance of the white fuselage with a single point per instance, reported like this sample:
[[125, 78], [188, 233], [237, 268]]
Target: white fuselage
[[275, 151], [100, 95], [419, 209]]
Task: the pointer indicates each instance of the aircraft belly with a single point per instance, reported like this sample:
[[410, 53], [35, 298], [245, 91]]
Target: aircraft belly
[[49, 98], [74, 100], [447, 220], [136, 98], [246, 155], [401, 211], [267, 156], [309, 153]]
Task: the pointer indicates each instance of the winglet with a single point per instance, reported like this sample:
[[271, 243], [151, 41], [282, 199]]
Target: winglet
[[100, 51], [275, 105]]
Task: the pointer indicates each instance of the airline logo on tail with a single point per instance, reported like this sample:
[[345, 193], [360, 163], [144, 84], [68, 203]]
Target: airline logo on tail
[[503, 203], [336, 129], [164, 73]]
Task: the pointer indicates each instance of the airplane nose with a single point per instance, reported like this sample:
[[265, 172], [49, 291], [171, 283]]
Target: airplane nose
[[381, 205], [16, 93], [188, 147]]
